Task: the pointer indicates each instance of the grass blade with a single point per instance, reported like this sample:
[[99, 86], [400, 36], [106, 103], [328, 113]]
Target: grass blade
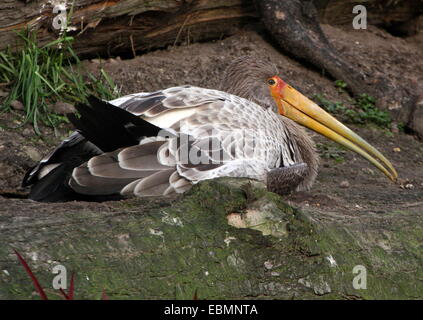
[[40, 76]]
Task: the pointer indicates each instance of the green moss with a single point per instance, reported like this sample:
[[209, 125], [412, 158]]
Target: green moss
[[170, 250]]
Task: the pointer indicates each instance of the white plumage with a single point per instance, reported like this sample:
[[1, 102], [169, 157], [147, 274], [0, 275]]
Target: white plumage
[[248, 141], [192, 134]]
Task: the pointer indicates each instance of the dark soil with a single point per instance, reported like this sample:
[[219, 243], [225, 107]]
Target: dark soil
[[365, 192]]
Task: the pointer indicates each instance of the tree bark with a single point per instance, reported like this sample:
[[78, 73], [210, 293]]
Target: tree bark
[[400, 14], [138, 249], [115, 26], [112, 27]]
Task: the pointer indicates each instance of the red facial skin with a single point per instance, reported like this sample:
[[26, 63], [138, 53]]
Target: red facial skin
[[276, 92]]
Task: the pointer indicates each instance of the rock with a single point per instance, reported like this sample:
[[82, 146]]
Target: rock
[[322, 288], [17, 105], [32, 153], [394, 128], [5, 171], [116, 60], [27, 132], [368, 171], [344, 184], [63, 108]]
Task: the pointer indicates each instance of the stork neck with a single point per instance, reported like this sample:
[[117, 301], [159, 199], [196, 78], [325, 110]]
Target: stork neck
[[306, 149]]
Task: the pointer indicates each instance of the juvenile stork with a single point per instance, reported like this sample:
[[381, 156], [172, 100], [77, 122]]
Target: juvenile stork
[[159, 143]]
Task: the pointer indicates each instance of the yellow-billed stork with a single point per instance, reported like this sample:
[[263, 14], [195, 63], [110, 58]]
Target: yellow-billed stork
[[159, 143]]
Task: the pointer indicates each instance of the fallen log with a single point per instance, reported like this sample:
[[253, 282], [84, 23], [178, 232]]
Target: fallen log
[[103, 27], [115, 26], [162, 249]]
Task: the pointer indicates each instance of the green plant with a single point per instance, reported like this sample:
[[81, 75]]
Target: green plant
[[364, 110], [402, 127], [341, 85], [39, 77], [331, 151], [369, 113], [329, 106]]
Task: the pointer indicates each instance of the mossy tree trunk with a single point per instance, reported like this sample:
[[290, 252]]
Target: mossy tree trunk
[[159, 250]]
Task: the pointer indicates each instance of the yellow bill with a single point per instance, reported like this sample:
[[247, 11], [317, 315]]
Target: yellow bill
[[292, 104]]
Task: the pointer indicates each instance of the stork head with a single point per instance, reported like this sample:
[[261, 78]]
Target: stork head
[[246, 77], [295, 106], [258, 81]]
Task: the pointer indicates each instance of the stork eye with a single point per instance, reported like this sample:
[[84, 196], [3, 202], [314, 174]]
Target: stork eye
[[271, 82]]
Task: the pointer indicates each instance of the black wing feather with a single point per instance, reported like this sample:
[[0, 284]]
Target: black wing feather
[[74, 151], [110, 127], [104, 128]]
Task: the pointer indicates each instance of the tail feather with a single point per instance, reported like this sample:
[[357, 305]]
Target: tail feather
[[51, 187], [91, 168], [73, 151], [54, 187]]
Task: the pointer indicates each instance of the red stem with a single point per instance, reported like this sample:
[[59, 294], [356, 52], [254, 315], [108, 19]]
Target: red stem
[[32, 276]]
